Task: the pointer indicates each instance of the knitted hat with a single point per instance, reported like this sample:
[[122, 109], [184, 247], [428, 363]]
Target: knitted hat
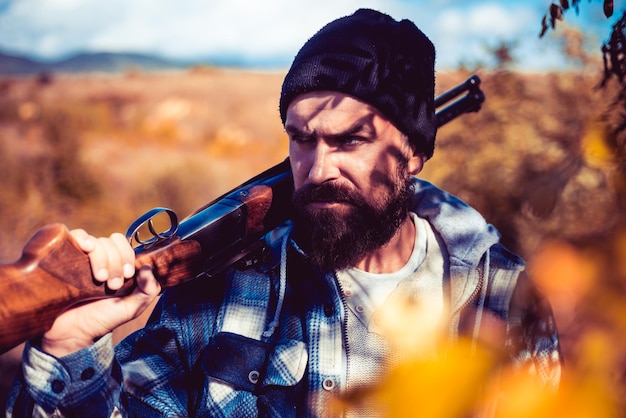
[[383, 62]]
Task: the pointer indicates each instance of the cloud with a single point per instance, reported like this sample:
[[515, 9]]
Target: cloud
[[179, 28], [488, 19], [464, 34], [253, 31]]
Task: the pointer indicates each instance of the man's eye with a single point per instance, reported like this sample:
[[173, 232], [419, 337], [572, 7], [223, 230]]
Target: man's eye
[[301, 139], [353, 140]]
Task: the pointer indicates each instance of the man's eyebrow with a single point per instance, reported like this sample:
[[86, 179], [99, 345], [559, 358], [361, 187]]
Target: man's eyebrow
[[362, 126], [294, 132], [362, 129]]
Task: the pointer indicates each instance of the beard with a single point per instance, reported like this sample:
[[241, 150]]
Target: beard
[[336, 239]]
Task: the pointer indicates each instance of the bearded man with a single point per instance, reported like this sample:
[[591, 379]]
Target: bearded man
[[286, 338]]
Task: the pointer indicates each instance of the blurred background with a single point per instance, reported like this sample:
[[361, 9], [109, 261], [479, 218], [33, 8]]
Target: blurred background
[[110, 108]]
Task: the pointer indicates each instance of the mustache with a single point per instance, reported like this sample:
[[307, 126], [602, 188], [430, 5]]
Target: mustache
[[326, 192]]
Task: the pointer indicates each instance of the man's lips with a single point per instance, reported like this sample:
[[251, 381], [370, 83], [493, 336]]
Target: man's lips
[[323, 204], [326, 204]]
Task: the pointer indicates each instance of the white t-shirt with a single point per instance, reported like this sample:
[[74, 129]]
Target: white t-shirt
[[380, 331], [366, 292]]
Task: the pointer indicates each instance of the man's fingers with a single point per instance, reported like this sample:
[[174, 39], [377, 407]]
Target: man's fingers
[[148, 288], [85, 241], [127, 254], [96, 250], [146, 283], [112, 262], [112, 259]]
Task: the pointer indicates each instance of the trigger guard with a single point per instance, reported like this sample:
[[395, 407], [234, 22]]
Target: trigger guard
[[133, 230]]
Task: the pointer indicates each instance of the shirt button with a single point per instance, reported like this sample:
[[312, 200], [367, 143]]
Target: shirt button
[[87, 373], [253, 377], [328, 384], [359, 309], [347, 292], [57, 386]]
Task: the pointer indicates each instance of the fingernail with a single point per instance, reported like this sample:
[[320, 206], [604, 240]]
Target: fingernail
[[89, 243], [102, 274], [116, 282], [129, 270]]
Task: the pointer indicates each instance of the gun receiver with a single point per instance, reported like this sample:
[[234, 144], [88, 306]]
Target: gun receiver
[[53, 274]]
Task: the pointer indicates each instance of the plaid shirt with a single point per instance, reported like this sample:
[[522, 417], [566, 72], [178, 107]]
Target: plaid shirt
[[248, 344]]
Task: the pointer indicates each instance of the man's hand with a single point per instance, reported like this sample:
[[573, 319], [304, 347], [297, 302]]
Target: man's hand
[[112, 261]]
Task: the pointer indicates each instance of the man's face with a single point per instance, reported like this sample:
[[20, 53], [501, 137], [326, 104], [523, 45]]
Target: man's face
[[351, 170]]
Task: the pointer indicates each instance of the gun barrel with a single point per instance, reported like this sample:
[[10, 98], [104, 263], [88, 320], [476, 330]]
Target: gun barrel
[[470, 102], [469, 85]]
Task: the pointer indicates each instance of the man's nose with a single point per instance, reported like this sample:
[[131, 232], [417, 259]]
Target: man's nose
[[323, 165]]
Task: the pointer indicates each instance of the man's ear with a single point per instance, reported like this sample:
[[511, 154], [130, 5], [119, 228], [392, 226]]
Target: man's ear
[[416, 163]]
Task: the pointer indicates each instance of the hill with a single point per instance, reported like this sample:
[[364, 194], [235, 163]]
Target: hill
[[106, 62]]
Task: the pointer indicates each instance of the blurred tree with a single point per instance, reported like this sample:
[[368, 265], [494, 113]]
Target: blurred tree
[[503, 54], [614, 60], [556, 11], [613, 52]]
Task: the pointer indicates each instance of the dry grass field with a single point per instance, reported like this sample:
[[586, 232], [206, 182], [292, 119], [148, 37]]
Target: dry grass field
[[541, 161]]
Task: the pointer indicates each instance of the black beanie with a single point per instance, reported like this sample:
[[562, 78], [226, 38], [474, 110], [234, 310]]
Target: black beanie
[[383, 62]]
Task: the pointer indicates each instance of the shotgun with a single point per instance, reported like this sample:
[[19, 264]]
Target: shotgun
[[53, 273]]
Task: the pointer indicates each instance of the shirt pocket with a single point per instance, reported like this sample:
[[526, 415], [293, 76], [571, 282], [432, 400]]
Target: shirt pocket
[[240, 369]]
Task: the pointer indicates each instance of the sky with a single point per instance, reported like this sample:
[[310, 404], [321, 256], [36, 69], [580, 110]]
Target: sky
[[268, 33]]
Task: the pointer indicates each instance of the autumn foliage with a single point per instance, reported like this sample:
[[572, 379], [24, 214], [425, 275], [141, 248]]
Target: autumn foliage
[[544, 161]]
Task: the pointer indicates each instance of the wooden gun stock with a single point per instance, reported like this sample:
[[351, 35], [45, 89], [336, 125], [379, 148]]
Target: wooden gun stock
[[54, 274]]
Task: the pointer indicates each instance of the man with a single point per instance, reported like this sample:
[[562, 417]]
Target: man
[[284, 339]]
